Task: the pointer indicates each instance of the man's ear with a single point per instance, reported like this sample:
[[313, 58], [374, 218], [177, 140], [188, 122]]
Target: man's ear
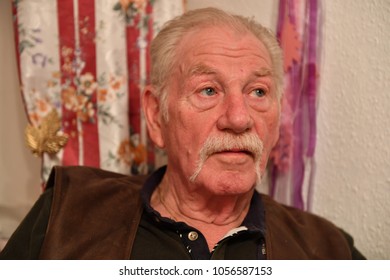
[[151, 108]]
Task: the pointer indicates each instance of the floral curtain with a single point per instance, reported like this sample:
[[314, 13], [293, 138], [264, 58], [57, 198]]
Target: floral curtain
[[82, 66], [292, 171]]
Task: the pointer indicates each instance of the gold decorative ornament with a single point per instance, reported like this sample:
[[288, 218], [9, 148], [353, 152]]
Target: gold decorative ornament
[[45, 138]]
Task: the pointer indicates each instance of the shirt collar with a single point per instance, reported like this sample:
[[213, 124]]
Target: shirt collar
[[254, 220]]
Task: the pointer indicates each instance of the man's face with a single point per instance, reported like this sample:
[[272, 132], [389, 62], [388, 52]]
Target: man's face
[[222, 86]]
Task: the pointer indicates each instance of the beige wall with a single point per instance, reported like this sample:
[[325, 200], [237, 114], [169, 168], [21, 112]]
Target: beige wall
[[352, 186], [19, 170]]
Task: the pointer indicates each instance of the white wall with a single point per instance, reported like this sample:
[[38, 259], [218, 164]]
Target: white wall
[[352, 185], [353, 152]]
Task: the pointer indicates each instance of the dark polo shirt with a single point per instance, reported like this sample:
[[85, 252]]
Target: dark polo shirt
[[162, 238]]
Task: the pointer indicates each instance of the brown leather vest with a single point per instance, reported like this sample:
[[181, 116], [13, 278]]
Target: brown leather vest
[[95, 215]]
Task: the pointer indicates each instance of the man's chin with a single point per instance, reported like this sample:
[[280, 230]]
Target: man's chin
[[227, 182]]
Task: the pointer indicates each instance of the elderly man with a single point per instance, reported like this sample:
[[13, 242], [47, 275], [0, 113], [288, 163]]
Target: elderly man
[[214, 106]]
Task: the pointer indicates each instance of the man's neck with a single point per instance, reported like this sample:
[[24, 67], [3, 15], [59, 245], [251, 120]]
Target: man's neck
[[213, 215]]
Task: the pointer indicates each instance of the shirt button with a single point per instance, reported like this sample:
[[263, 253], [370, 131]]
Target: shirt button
[[193, 235]]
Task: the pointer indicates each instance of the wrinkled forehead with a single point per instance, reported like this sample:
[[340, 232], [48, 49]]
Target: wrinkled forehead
[[201, 69], [199, 48], [204, 32]]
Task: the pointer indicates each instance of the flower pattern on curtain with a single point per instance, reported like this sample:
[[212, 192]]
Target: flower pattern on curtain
[[83, 64]]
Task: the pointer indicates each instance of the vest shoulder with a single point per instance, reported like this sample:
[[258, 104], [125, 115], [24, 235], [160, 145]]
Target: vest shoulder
[[303, 234], [89, 177], [296, 216], [92, 209]]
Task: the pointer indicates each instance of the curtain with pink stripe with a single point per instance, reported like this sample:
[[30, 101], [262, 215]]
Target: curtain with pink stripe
[[292, 171], [82, 67]]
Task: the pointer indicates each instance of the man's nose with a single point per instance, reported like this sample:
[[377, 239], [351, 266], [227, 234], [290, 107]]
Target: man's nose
[[236, 114]]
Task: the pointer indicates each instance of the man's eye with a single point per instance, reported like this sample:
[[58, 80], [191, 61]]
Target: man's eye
[[208, 91], [259, 92]]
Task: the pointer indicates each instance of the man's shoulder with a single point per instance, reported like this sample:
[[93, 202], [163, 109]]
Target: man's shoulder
[[302, 234], [82, 177], [92, 209], [298, 216]]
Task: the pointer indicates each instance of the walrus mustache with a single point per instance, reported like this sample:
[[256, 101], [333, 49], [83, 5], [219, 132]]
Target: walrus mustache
[[247, 142]]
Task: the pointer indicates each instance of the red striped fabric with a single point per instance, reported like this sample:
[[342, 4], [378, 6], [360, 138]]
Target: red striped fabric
[[87, 32], [67, 57], [149, 37], [132, 34], [75, 59]]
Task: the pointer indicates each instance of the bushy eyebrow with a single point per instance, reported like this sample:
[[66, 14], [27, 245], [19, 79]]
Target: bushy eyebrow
[[263, 72], [202, 69]]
